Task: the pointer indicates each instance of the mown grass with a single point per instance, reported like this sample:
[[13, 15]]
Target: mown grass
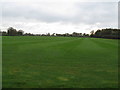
[[59, 62]]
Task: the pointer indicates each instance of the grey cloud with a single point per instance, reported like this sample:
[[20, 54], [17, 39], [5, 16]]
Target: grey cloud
[[97, 12], [28, 12], [88, 13]]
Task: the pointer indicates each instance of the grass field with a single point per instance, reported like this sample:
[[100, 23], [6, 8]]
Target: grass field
[[59, 62]]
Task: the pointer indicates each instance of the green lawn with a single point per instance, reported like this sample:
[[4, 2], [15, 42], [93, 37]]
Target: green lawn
[[59, 62]]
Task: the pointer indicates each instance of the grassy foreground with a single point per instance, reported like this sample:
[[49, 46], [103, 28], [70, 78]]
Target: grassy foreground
[[56, 62]]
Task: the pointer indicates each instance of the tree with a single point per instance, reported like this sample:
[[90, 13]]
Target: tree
[[80, 34], [92, 33], [48, 34], [4, 33], [108, 33], [20, 32], [11, 31], [53, 34], [0, 32]]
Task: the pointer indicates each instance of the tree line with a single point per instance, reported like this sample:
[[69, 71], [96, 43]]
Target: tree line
[[106, 33], [103, 33], [13, 32]]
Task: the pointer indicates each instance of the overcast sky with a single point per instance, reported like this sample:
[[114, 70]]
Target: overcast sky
[[59, 16]]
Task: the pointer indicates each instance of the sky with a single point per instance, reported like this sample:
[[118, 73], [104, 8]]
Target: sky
[[58, 16]]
